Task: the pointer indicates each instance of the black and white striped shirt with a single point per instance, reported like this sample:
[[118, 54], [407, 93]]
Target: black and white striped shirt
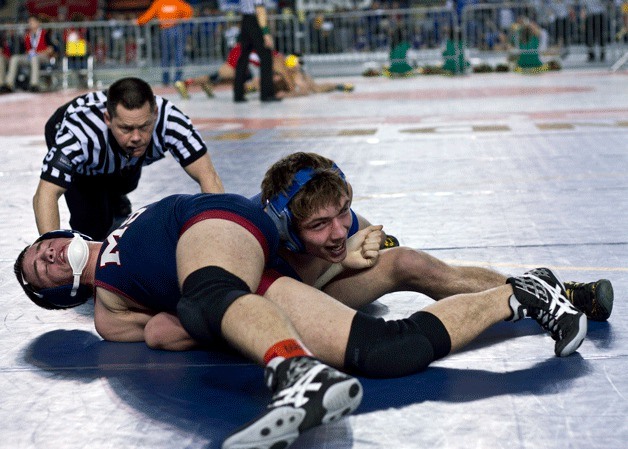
[[248, 6], [85, 146]]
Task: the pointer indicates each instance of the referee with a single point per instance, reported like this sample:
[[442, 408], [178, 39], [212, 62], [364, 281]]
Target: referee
[[97, 146], [254, 35]]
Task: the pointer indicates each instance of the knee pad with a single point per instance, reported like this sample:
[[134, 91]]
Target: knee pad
[[379, 348], [206, 295]]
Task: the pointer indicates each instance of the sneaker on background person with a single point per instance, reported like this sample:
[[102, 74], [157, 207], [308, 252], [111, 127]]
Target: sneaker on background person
[[182, 89]]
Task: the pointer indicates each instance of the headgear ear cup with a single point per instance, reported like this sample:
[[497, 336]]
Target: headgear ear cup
[[279, 212], [78, 253]]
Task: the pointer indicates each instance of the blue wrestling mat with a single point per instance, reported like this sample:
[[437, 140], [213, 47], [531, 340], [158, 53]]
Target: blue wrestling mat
[[504, 171]]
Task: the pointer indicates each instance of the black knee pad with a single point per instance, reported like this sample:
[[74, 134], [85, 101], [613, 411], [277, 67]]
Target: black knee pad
[[379, 348], [206, 295]]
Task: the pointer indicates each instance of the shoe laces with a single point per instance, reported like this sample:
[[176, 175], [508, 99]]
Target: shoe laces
[[550, 318], [547, 320]]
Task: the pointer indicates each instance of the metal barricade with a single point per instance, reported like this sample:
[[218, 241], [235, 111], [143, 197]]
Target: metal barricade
[[364, 36], [345, 40], [562, 27]]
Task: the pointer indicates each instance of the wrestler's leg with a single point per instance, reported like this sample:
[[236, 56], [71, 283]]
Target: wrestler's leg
[[407, 269], [322, 322], [260, 330], [325, 325], [251, 324], [466, 316]]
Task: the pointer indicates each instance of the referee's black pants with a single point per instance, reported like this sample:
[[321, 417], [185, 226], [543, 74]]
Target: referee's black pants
[[252, 38], [595, 28], [97, 204]]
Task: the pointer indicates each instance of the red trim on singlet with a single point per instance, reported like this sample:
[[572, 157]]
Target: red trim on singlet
[[112, 289], [230, 216], [268, 277]]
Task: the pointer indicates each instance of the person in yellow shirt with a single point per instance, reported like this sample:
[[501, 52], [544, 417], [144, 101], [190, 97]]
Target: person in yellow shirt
[[169, 13]]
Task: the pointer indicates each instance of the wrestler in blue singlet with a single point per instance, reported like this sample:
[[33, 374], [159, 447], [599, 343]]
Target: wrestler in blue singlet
[[138, 260], [279, 264]]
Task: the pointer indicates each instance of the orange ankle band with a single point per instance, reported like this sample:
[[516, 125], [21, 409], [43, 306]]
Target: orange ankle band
[[286, 349]]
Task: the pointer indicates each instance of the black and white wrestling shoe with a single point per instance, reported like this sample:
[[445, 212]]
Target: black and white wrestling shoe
[[306, 393], [542, 296]]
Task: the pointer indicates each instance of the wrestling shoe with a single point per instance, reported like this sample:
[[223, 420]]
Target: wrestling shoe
[[595, 299], [390, 242], [542, 296], [182, 89], [345, 87], [307, 393], [208, 89]]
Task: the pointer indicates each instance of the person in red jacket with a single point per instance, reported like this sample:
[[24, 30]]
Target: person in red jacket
[[38, 50], [172, 41]]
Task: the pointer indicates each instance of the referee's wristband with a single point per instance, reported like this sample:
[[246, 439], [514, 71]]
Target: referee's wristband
[[265, 30]]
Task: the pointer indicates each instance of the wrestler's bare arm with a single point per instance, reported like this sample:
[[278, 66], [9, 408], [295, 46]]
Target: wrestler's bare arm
[[165, 331], [118, 320]]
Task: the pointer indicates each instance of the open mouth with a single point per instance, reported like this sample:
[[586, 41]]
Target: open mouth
[[337, 250], [63, 253]]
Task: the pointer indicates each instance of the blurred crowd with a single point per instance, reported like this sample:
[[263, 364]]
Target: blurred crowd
[[112, 38]]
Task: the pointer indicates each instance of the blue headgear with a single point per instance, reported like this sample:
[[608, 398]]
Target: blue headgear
[[279, 212], [73, 294]]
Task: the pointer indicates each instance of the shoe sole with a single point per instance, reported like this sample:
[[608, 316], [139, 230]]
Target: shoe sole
[[575, 343], [281, 426], [341, 400], [276, 429], [604, 297]]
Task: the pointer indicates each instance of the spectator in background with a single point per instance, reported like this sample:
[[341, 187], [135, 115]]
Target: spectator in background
[[622, 34], [255, 35], [118, 50], [38, 50], [594, 14], [527, 36], [560, 27], [75, 38], [172, 42], [5, 55]]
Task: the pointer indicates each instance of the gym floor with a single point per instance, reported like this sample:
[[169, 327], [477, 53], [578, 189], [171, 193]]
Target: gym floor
[[504, 170]]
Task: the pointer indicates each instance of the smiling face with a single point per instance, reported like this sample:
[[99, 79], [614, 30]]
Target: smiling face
[[46, 265], [132, 128], [324, 232]]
